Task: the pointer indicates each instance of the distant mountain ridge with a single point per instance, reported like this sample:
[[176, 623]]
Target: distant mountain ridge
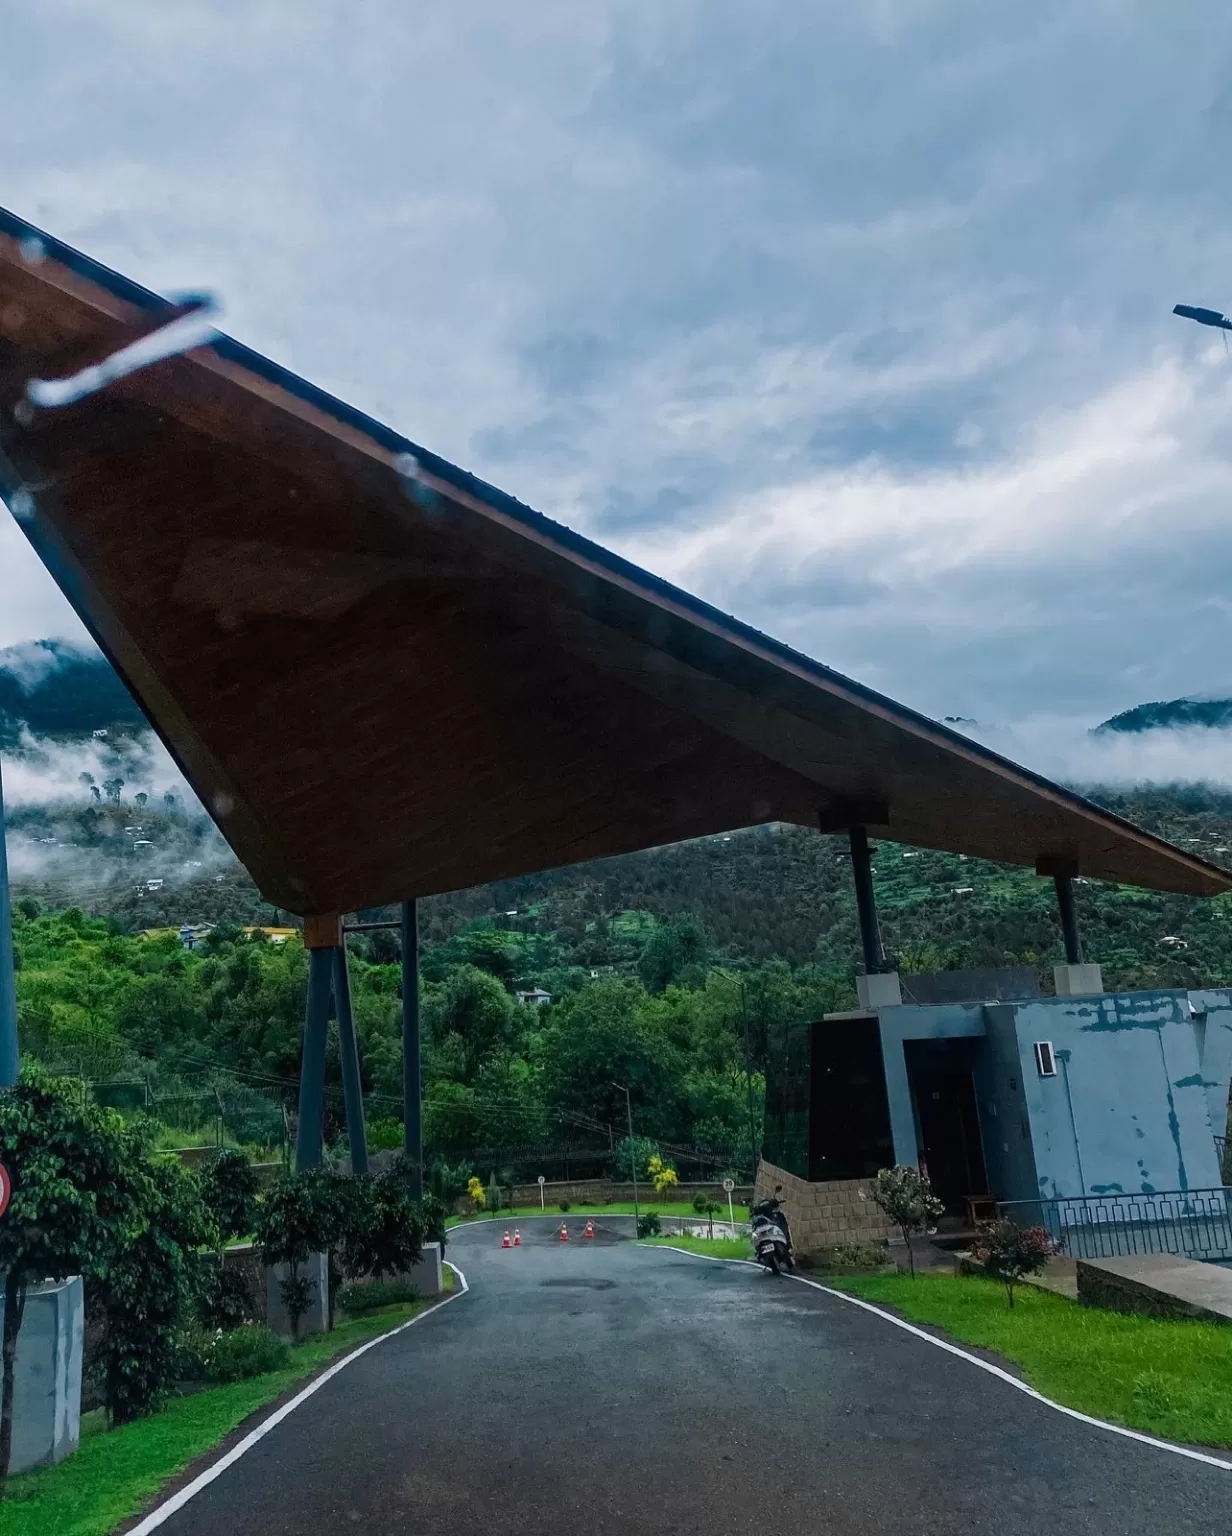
[[1172, 714], [54, 689]]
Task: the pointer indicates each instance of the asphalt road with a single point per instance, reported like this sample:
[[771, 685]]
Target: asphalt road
[[608, 1388]]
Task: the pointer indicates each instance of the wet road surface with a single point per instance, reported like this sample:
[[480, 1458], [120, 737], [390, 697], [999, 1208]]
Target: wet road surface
[[601, 1387]]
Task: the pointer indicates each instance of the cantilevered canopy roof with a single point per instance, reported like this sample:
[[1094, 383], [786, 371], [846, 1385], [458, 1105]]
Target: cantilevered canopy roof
[[386, 678]]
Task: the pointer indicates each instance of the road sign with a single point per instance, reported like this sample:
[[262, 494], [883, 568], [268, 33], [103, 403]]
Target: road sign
[[542, 1182], [6, 1188], [728, 1186]]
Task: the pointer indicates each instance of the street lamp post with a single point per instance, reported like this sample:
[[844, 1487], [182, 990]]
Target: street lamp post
[[632, 1155], [748, 1064]]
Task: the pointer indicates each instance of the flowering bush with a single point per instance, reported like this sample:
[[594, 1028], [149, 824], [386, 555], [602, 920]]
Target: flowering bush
[[1009, 1253], [662, 1175], [907, 1198]]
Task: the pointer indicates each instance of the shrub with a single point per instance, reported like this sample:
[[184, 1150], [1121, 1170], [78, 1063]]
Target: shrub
[[432, 1215], [375, 1294], [229, 1189], [648, 1224], [384, 1232], [474, 1188], [700, 1202], [233, 1354], [907, 1198], [856, 1256], [564, 1205], [384, 1135], [1009, 1252], [226, 1299]]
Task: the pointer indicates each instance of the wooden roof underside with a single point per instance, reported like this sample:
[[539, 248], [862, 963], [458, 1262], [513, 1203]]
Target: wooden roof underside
[[384, 686]]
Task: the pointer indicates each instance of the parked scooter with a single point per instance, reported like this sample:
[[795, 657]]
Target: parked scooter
[[771, 1235]]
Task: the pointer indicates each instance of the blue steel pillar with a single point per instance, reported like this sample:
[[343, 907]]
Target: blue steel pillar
[[348, 1050], [411, 1087], [866, 901], [322, 938], [9, 1055]]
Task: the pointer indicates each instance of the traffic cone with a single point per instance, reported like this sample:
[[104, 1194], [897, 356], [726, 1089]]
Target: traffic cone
[[563, 1235], [590, 1229], [517, 1238], [505, 1243]]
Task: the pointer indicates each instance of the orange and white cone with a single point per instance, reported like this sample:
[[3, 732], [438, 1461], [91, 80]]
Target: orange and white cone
[[517, 1238], [590, 1229], [505, 1241], [563, 1235]]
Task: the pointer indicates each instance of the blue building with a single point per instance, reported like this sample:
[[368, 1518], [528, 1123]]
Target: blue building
[[1057, 1097]]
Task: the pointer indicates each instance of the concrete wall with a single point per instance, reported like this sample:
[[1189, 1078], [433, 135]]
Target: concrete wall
[[1128, 1111], [47, 1374], [822, 1215]]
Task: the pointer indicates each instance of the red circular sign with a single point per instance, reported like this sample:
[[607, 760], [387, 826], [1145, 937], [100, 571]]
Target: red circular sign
[[6, 1189]]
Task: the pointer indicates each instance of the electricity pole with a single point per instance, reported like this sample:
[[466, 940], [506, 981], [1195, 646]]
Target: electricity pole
[[632, 1154]]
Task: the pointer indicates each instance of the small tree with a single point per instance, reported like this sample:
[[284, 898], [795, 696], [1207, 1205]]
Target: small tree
[[145, 1288], [1010, 1253], [907, 1198], [229, 1188], [299, 1217], [387, 1235], [67, 1159], [662, 1175], [710, 1209], [474, 1188]]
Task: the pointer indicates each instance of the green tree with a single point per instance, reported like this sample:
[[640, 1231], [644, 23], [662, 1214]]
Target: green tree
[[69, 1162], [388, 1237], [669, 950], [299, 1216]]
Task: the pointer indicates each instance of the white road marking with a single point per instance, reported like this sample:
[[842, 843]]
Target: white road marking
[[984, 1365], [177, 1501]]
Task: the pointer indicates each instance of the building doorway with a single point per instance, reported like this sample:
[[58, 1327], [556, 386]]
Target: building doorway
[[948, 1124]]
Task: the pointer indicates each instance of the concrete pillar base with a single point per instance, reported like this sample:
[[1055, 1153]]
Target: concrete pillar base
[[879, 990], [47, 1374], [1078, 980], [316, 1318]]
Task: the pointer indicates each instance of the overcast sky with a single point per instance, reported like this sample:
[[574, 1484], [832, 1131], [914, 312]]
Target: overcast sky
[[854, 319]]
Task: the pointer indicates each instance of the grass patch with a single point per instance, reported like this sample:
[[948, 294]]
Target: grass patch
[[712, 1247], [1172, 1379], [671, 1208], [112, 1475]]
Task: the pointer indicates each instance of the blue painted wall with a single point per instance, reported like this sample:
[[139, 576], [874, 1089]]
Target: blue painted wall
[[1128, 1111], [1213, 1029]]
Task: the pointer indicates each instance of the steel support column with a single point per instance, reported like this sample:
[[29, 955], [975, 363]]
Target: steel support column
[[9, 1054], [348, 1051], [1069, 919], [866, 901], [412, 1122], [310, 1134]]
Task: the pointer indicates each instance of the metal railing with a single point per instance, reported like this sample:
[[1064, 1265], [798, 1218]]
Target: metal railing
[[1196, 1223]]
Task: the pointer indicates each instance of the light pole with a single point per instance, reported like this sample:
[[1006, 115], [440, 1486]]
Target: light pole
[[632, 1155], [748, 1065]]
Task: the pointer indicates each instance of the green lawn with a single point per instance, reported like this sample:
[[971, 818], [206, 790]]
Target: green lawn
[[618, 1208], [112, 1475], [712, 1247], [1172, 1379]]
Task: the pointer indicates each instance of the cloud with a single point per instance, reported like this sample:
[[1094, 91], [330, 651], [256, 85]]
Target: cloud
[[42, 771], [1067, 750], [854, 318]]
